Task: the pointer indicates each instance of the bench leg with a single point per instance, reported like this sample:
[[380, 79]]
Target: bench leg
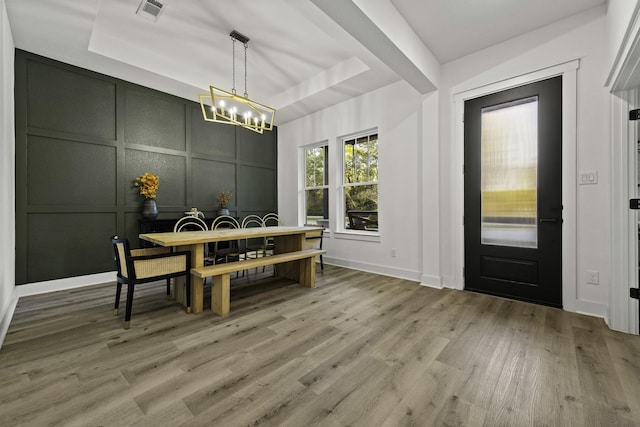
[[220, 294], [197, 294], [307, 272]]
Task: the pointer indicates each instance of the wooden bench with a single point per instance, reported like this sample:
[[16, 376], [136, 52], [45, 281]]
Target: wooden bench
[[303, 261]]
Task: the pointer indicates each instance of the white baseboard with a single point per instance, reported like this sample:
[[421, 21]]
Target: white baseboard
[[593, 309], [66, 283], [374, 268], [7, 314]]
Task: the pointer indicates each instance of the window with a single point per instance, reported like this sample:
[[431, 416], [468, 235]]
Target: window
[[316, 185], [360, 183]]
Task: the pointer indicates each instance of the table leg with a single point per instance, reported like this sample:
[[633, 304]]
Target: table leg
[[178, 283], [289, 243], [197, 283]]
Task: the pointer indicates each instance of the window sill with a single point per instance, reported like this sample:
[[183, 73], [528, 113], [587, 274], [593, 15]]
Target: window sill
[[365, 236]]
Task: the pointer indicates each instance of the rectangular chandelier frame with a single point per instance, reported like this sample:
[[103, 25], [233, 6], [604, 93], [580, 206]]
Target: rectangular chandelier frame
[[230, 108]]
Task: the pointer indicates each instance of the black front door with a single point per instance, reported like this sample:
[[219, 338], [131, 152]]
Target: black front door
[[513, 193]]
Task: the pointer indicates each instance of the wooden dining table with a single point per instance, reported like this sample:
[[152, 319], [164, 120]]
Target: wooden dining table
[[285, 238]]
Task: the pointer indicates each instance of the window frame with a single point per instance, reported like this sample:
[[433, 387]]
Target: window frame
[[325, 186], [343, 186]]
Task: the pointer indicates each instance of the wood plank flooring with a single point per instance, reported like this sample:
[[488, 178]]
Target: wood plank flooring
[[358, 350]]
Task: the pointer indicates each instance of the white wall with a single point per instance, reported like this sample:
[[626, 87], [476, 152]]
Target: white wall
[[396, 110], [8, 296], [417, 175]]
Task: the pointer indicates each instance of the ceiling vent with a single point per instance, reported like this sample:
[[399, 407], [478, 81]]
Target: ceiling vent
[[150, 9]]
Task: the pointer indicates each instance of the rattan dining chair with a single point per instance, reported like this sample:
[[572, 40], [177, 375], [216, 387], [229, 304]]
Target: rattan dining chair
[[138, 266]]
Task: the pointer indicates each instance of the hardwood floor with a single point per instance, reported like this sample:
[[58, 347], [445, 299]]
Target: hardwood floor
[[358, 350]]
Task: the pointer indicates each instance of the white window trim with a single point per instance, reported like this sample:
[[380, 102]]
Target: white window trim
[[302, 214]]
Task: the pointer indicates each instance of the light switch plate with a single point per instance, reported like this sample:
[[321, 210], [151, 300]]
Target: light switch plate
[[588, 177]]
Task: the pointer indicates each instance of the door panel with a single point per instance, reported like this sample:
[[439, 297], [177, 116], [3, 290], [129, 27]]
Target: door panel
[[513, 193]]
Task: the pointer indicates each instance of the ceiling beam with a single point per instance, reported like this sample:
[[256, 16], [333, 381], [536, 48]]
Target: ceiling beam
[[379, 27]]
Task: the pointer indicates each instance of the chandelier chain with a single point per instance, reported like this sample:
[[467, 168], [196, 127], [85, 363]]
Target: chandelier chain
[[233, 88], [246, 92]]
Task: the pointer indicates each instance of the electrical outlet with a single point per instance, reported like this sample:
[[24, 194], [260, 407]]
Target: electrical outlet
[[593, 277], [393, 252]]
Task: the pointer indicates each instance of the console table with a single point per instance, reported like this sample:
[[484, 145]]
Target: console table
[[154, 226]]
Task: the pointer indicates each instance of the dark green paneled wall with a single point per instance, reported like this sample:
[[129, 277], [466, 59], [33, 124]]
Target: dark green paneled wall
[[83, 137]]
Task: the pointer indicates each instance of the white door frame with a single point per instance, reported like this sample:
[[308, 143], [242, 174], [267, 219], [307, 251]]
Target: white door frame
[[624, 84], [623, 311], [568, 71]]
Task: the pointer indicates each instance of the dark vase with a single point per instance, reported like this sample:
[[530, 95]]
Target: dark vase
[[223, 210], [149, 209]]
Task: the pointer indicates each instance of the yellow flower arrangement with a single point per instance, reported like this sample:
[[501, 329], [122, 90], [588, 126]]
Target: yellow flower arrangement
[[148, 184], [224, 197]]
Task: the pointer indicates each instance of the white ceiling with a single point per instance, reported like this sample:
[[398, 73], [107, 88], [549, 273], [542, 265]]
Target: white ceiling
[[304, 55]]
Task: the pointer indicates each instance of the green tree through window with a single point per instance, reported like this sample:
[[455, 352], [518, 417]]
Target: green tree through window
[[361, 180], [316, 184]]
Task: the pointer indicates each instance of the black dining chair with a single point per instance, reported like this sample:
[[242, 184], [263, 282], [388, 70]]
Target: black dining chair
[[228, 250], [231, 250], [315, 236], [256, 245], [138, 266], [271, 220]]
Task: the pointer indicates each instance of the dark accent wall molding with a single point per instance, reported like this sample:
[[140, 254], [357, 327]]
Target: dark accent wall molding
[[83, 137]]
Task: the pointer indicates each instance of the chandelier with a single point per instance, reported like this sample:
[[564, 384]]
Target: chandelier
[[230, 108]]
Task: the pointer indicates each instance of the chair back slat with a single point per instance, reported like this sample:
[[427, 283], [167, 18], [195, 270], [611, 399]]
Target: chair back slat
[[252, 221], [224, 221], [190, 223], [271, 219]]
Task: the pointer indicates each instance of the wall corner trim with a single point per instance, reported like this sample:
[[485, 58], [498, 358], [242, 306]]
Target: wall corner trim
[[7, 315]]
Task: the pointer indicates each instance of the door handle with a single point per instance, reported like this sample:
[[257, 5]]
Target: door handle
[[549, 220]]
